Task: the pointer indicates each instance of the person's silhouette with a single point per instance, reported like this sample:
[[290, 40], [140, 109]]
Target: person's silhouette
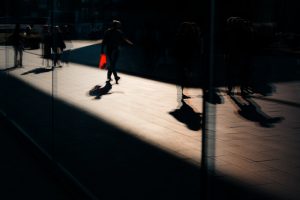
[[238, 56], [18, 45], [113, 38], [58, 45], [46, 45], [187, 42]]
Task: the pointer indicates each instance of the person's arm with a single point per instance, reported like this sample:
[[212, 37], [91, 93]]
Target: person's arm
[[128, 42]]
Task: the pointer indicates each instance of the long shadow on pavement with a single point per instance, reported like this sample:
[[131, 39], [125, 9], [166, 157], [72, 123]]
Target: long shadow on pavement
[[107, 160], [250, 110], [188, 116], [99, 91], [9, 69], [38, 70]]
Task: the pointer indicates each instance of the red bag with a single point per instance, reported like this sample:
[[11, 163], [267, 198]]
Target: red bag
[[103, 61]]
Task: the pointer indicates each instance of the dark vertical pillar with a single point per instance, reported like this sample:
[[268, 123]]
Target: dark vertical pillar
[[208, 121], [51, 8]]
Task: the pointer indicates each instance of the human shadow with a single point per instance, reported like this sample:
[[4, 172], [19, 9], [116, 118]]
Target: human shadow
[[9, 69], [250, 110], [38, 71], [100, 154], [99, 91], [188, 116]]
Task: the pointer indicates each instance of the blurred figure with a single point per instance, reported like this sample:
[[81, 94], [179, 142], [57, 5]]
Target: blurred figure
[[238, 56], [46, 45], [187, 42], [66, 31], [28, 31], [28, 40], [18, 45], [58, 45], [113, 38]]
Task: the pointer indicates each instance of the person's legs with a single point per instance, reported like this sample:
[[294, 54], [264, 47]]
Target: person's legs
[[181, 79], [21, 56], [16, 57], [230, 73], [59, 59], [114, 58], [109, 71], [245, 74], [47, 62], [54, 58]]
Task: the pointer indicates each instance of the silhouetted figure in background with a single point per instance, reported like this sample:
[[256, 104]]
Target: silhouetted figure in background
[[66, 31], [113, 38], [187, 42], [238, 56], [46, 45], [18, 45], [57, 45], [28, 31]]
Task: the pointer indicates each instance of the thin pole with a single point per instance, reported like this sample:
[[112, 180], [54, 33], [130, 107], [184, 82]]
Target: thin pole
[[52, 81], [208, 109]]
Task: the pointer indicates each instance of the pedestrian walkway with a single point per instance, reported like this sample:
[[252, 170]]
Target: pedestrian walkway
[[240, 149]]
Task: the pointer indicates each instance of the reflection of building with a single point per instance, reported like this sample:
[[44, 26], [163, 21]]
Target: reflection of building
[[162, 13], [283, 13]]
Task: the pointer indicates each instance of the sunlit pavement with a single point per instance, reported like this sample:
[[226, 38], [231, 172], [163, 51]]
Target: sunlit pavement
[[267, 158]]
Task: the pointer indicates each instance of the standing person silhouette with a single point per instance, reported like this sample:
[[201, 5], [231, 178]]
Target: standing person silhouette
[[113, 38], [238, 55], [58, 45], [46, 45], [187, 42], [18, 44]]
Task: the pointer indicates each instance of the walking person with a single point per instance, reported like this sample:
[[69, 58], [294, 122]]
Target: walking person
[[113, 39], [18, 45]]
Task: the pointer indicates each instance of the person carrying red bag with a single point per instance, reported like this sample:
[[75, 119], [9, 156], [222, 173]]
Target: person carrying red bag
[[103, 61], [113, 38]]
